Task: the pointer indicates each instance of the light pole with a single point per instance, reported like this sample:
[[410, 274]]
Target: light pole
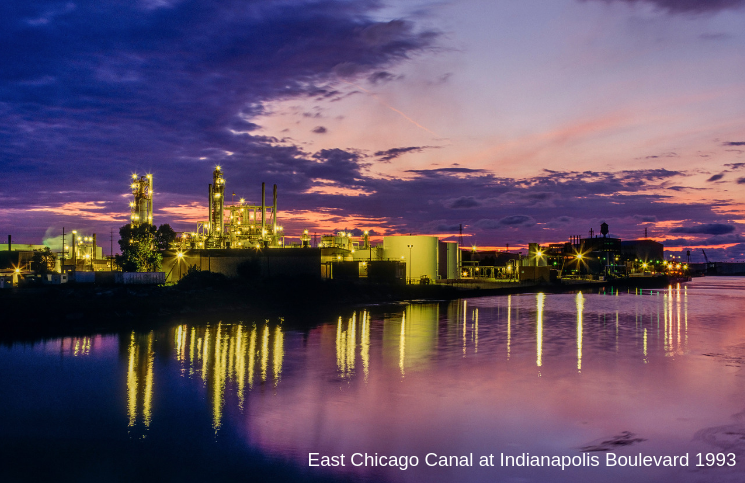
[[410, 247]]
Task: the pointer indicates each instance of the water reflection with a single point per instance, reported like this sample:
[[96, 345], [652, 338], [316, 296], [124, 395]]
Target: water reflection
[[140, 361], [219, 356], [230, 360]]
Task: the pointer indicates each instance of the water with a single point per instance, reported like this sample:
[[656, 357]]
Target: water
[[657, 373]]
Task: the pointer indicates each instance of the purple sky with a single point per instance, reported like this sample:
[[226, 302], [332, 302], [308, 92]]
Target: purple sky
[[524, 121]]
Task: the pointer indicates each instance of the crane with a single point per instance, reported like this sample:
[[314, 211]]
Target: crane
[[705, 257]]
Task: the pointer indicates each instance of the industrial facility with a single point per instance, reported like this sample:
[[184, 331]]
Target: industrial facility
[[244, 239]]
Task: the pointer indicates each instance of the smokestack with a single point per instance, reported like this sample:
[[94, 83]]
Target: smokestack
[[274, 213], [9, 243], [263, 210]]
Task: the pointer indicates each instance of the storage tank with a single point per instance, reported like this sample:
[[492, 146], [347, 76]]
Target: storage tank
[[419, 253]]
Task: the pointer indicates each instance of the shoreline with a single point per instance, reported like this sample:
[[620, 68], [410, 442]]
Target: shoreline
[[50, 311]]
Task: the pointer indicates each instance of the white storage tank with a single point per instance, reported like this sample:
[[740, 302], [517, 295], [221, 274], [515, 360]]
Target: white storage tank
[[419, 252]]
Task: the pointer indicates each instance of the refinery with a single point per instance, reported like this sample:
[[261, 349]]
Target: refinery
[[244, 239]]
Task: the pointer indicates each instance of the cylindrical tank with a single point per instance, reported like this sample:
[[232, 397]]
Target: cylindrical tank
[[419, 253]]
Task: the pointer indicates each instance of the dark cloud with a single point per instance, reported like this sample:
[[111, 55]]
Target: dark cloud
[[390, 154], [335, 165], [705, 229], [445, 171], [513, 221], [380, 77], [735, 166], [716, 177], [114, 88], [645, 218], [688, 6], [716, 36], [319, 130], [465, 202], [734, 143], [740, 180]]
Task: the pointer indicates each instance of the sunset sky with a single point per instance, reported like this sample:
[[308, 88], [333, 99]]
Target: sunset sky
[[522, 120]]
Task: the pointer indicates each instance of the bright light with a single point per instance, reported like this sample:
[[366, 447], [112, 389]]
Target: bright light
[[243, 200], [473, 248], [217, 168], [17, 270], [579, 256], [539, 253], [366, 232], [75, 232], [644, 265], [179, 255]]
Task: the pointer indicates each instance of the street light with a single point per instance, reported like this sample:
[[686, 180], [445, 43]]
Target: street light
[[410, 247]]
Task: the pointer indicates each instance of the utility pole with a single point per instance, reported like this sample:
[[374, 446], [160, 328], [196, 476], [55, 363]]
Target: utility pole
[[111, 249]]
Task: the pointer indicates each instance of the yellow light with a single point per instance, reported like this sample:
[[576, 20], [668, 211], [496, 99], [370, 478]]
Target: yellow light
[[644, 265], [366, 232], [338, 257], [579, 256], [473, 248], [217, 168], [87, 255], [150, 176], [75, 232], [685, 266], [539, 253], [305, 232], [134, 176], [352, 251], [243, 200], [179, 255], [18, 270]]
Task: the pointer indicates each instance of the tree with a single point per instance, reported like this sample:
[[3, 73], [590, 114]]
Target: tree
[[164, 236], [42, 261], [138, 246]]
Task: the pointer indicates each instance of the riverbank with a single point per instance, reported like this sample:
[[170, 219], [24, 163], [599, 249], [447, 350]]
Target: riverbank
[[65, 309]]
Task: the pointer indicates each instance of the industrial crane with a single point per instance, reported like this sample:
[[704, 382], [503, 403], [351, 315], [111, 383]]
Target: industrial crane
[[705, 257]]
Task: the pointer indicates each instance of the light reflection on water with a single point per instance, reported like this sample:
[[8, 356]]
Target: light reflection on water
[[539, 373]]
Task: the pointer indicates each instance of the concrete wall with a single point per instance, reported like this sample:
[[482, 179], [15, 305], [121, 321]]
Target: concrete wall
[[421, 260], [534, 274], [267, 263], [139, 278]]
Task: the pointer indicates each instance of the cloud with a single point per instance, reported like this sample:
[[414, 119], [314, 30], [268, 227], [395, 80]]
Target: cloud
[[465, 202], [445, 171], [390, 154], [734, 143], [705, 229], [740, 180], [319, 130], [512, 221], [689, 6], [113, 88], [716, 177], [380, 77], [645, 218], [735, 166]]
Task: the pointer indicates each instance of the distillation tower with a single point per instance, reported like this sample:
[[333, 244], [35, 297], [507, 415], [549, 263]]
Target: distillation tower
[[142, 206], [248, 225]]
